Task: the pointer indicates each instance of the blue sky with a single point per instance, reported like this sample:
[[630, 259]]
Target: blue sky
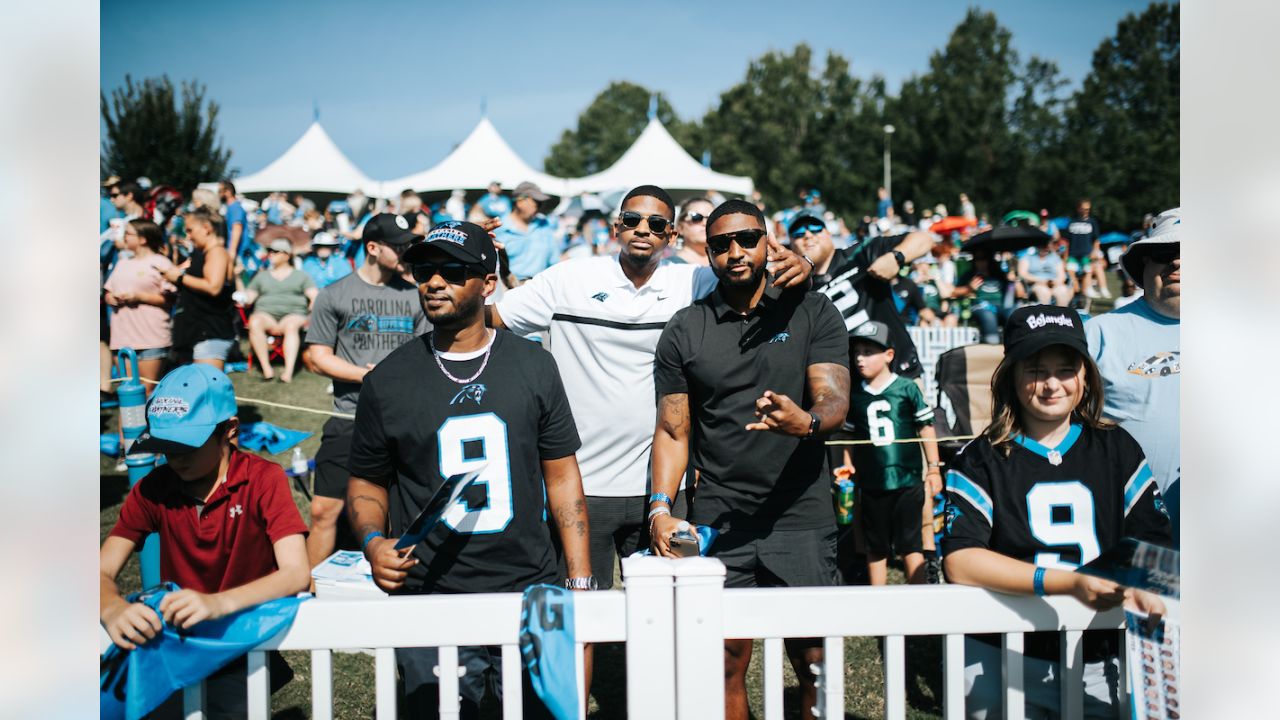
[[398, 84]]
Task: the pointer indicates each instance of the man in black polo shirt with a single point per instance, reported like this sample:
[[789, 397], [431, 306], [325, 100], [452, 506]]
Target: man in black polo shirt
[[743, 364]]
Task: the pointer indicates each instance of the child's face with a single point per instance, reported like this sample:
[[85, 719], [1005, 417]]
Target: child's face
[[869, 359], [1050, 383], [200, 463]]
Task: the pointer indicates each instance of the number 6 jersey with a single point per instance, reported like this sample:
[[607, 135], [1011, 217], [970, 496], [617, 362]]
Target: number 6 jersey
[[883, 416], [414, 427], [1054, 507]]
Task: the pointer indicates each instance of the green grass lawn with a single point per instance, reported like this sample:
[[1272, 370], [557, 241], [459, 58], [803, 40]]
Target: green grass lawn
[[353, 676]]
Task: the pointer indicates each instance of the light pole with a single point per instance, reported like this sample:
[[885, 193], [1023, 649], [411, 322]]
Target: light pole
[[888, 161]]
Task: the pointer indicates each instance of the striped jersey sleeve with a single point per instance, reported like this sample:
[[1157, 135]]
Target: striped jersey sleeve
[[970, 510]]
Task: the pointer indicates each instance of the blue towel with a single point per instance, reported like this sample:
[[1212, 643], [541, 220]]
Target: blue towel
[[255, 436], [547, 647], [133, 683]]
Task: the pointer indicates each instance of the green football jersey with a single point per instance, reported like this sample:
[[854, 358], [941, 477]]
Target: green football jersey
[[893, 413]]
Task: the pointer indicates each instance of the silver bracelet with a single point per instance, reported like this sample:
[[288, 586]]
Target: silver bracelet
[[660, 510]]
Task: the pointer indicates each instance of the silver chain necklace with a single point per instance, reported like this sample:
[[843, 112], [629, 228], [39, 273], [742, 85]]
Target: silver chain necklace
[[440, 362]]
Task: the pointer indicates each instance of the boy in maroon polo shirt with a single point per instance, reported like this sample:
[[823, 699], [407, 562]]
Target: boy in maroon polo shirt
[[230, 534]]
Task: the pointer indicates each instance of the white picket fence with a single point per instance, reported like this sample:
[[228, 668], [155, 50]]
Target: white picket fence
[[930, 344], [674, 616]]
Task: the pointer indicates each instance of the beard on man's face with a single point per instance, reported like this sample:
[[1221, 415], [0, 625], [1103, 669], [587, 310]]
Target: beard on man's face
[[737, 279], [458, 313]]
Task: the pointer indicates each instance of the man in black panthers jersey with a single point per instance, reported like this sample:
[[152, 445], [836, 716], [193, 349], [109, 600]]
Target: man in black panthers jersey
[[450, 401]]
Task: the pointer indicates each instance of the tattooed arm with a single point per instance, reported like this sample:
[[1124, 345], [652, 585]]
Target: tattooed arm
[[569, 511], [367, 511], [829, 387], [670, 458]]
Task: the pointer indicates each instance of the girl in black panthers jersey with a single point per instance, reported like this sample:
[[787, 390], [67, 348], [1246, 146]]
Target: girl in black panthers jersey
[[1048, 487]]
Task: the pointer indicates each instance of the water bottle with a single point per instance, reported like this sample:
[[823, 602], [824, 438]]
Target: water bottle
[[132, 397], [299, 463], [844, 501]]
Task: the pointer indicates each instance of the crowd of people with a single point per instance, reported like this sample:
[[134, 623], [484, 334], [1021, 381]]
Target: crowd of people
[[615, 376]]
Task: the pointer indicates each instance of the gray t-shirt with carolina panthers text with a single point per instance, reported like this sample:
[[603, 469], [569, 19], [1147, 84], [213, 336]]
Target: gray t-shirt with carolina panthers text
[[363, 323]]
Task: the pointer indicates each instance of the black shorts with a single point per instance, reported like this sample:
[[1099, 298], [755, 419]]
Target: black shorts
[[619, 526], [777, 558], [483, 677], [891, 519], [331, 458]]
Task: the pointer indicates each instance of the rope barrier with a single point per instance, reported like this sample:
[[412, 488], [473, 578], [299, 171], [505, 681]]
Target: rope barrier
[[259, 401], [348, 416]]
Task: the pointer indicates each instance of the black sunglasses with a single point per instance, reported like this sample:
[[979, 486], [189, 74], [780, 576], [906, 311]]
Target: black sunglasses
[[1164, 257], [695, 217], [746, 239], [454, 273], [798, 232], [115, 194], [657, 223]]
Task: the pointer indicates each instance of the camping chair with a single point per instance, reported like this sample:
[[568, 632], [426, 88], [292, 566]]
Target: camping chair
[[275, 342], [964, 394]]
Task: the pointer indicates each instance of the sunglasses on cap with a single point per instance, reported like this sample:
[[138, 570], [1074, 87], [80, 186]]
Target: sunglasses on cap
[[454, 273], [746, 239], [657, 223], [813, 227], [1164, 257], [695, 217]]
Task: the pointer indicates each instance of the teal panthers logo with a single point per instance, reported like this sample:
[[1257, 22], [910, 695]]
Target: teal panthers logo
[[601, 296], [780, 338], [953, 513], [474, 391]]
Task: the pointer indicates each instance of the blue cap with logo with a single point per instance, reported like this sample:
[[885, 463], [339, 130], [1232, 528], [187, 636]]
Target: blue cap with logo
[[185, 408]]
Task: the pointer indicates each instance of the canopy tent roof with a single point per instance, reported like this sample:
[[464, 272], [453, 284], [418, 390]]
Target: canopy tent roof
[[655, 158], [480, 159], [312, 164]]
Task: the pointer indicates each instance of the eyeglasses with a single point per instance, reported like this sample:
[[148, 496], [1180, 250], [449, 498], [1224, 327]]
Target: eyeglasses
[[695, 217], [657, 223], [746, 239], [814, 227], [454, 273], [1164, 257], [114, 194]]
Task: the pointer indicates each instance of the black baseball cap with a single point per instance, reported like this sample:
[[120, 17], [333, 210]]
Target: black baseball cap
[[463, 241], [389, 229], [872, 331], [1035, 327]]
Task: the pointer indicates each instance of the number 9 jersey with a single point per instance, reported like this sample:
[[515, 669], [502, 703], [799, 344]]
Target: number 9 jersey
[[1055, 507], [414, 427]]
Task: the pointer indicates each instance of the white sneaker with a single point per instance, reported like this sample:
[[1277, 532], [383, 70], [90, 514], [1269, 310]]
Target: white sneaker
[[121, 466], [1092, 293], [1106, 292], [329, 390]]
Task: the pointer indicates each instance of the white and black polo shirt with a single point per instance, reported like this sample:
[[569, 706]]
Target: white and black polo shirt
[[603, 331]]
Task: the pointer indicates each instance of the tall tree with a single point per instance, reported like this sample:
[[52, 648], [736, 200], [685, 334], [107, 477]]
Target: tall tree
[[1036, 121], [954, 135], [609, 125], [149, 133], [1121, 146], [790, 129]]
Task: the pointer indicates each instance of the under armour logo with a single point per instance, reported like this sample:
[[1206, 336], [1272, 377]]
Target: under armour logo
[[474, 391], [601, 296], [236, 510]]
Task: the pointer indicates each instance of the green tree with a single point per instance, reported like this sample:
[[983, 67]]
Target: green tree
[[1036, 121], [952, 121], [609, 125], [790, 129], [149, 133], [1121, 144]]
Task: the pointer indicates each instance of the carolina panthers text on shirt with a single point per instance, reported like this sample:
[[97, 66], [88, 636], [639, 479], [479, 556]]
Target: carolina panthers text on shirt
[[378, 323]]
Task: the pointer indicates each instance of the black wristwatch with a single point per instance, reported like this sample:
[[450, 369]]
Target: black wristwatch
[[902, 259], [813, 426]]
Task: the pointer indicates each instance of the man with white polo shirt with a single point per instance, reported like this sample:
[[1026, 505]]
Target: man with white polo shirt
[[601, 318]]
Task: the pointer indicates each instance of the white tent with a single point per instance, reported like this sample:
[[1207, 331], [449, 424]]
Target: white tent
[[312, 164], [655, 158], [479, 160]]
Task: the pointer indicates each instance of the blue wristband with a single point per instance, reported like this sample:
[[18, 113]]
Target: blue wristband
[[1037, 581], [365, 543], [659, 497]]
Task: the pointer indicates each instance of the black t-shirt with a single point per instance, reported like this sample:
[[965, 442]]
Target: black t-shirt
[[1081, 234], [725, 362], [1055, 516], [860, 297], [198, 317], [414, 427], [910, 300]]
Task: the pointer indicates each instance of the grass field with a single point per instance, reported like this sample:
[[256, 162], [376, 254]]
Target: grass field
[[353, 676]]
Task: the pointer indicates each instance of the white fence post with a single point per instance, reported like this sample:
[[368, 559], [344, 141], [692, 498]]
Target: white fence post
[[193, 701], [259, 706], [651, 678], [1015, 706], [699, 657]]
